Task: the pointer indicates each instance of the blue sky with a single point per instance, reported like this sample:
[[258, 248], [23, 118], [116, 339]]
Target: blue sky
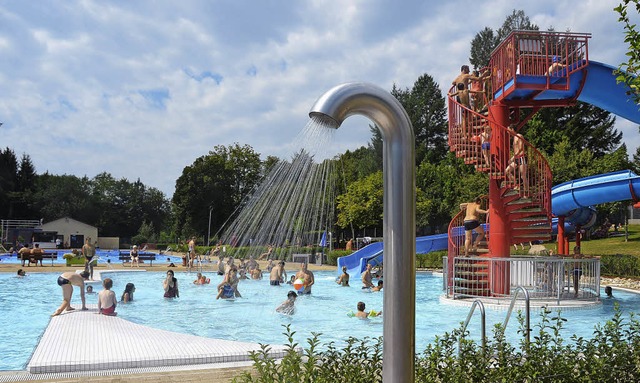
[[140, 89]]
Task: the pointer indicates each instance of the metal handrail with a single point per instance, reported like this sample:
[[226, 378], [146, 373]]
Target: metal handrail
[[527, 312], [483, 321]]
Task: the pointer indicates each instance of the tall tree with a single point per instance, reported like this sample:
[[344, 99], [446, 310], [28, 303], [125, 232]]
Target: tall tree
[[629, 71], [361, 205], [8, 181], [516, 21], [482, 45], [25, 187], [218, 181], [425, 105], [586, 127]]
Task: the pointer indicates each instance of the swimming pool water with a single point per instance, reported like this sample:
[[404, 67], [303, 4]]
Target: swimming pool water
[[26, 304]]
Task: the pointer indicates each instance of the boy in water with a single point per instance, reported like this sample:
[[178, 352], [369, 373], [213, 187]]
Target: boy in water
[[107, 299], [364, 314], [288, 307]]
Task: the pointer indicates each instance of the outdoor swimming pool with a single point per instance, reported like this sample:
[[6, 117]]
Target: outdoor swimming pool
[[102, 255], [27, 303]]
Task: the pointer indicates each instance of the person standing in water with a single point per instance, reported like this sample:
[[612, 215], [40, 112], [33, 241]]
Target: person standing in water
[[307, 276], [170, 285], [344, 278]]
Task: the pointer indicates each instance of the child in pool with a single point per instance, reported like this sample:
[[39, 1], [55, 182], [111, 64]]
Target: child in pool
[[288, 307], [364, 314], [107, 299]]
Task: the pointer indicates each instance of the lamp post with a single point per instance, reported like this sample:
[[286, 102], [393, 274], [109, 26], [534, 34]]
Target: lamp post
[[209, 229]]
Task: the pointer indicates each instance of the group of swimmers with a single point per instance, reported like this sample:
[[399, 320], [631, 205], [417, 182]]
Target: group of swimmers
[[302, 281], [107, 300]]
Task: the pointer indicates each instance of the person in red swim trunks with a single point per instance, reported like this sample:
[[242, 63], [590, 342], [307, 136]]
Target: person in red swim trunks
[[107, 299]]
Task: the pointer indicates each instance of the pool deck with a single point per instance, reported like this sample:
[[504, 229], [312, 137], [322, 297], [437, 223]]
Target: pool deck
[[87, 341]]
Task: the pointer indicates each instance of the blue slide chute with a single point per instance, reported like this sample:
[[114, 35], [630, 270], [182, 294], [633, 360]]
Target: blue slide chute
[[356, 262]]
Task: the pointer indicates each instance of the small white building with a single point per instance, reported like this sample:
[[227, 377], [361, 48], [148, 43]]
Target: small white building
[[72, 232]]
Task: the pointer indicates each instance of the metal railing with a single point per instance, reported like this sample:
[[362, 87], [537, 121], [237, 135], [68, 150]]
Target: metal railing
[[532, 179], [483, 323], [552, 279], [527, 312], [534, 53]]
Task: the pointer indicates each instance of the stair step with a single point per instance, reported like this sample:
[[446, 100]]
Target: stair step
[[473, 273], [538, 228], [476, 291], [466, 266], [471, 283]]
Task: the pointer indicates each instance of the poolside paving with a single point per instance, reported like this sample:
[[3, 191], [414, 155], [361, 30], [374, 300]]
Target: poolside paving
[[87, 341]]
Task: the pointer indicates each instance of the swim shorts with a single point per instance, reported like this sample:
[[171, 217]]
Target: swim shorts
[[472, 224], [62, 281], [486, 145], [275, 283]]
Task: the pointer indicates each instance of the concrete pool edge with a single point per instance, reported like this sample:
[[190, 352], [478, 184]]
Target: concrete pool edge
[[87, 341]]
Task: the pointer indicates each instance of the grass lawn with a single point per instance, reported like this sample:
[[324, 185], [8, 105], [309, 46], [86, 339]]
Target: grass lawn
[[614, 245], [607, 246]]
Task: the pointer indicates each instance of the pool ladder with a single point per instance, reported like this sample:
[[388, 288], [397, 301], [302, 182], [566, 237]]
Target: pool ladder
[[478, 303]]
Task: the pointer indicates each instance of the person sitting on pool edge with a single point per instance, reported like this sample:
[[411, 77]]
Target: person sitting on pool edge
[[288, 307], [364, 314], [107, 301]]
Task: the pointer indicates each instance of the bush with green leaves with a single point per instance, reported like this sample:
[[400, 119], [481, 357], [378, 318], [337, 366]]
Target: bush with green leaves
[[611, 355], [620, 265]]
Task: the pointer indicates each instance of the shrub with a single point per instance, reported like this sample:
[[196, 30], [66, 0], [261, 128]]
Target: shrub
[[620, 265], [612, 355], [431, 260]]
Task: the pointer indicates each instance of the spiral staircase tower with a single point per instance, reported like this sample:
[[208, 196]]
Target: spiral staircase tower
[[523, 79]]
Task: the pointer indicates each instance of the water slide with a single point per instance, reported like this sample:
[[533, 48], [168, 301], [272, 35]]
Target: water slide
[[356, 262], [573, 199]]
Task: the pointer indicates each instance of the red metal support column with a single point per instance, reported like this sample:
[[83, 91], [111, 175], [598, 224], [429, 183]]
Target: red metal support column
[[561, 238], [499, 237]]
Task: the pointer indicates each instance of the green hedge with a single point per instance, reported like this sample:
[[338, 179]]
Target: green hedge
[[611, 355], [619, 265]]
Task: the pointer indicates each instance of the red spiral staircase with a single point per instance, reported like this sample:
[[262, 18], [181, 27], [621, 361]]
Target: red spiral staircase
[[523, 79]]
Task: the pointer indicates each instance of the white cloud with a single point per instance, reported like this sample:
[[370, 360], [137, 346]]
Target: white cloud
[[141, 89]]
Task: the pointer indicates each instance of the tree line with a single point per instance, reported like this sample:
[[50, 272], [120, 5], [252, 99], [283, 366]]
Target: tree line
[[578, 141]]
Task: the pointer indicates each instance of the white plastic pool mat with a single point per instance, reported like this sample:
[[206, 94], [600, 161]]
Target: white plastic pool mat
[[87, 341]]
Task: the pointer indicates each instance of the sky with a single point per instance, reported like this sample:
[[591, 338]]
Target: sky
[[140, 89]]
